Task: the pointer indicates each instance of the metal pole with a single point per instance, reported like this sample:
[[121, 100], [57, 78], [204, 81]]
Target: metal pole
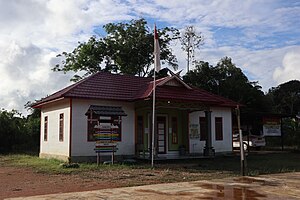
[[241, 142], [281, 136], [153, 123], [113, 155]]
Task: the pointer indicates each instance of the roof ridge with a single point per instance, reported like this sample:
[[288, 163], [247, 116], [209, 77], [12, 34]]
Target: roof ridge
[[128, 75]]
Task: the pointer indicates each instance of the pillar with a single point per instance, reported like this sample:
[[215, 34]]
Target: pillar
[[208, 149]]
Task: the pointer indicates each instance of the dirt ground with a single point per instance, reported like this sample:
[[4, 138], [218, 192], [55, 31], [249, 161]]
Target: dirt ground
[[22, 181], [17, 182]]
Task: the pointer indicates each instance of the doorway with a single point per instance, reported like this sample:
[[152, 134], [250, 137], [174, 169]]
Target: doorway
[[161, 127]]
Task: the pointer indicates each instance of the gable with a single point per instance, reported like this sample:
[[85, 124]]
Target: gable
[[173, 80]]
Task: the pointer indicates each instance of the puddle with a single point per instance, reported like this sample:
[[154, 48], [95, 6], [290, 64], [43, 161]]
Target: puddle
[[217, 191], [240, 189]]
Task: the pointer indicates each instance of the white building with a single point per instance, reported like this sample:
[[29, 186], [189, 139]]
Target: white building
[[189, 121]]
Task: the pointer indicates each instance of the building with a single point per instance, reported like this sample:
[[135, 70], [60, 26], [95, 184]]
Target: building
[[189, 121]]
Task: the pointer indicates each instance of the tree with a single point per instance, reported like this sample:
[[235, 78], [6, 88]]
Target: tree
[[127, 49], [286, 97], [11, 124], [229, 81], [18, 132], [203, 76], [190, 41]]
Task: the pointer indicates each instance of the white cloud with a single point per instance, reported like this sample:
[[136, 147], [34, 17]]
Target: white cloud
[[33, 32], [290, 67]]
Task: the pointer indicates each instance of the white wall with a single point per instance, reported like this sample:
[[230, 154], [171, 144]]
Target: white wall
[[53, 146], [82, 147], [225, 145]]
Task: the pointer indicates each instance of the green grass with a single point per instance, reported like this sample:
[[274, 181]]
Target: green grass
[[256, 164], [52, 166]]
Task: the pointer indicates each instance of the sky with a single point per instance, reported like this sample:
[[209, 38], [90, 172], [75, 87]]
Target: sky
[[261, 36]]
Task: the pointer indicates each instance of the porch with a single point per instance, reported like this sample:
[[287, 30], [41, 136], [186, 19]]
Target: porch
[[178, 132]]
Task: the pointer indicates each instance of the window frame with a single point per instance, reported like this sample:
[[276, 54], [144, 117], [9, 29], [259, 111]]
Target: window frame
[[91, 121], [61, 127], [218, 128], [174, 125], [140, 129], [46, 128], [203, 128]]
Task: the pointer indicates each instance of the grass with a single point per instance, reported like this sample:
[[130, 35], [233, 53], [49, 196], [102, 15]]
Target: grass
[[51, 166], [228, 165], [256, 163]]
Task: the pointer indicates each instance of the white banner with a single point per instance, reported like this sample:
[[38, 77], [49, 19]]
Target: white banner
[[271, 127]]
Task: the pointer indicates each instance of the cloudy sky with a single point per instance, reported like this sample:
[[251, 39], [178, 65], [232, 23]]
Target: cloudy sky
[[261, 36]]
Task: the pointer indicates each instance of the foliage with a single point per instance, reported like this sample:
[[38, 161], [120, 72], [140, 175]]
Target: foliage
[[17, 132], [286, 97], [291, 132], [229, 81], [127, 48], [11, 128]]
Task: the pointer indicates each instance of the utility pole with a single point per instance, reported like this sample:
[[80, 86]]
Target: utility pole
[[242, 154], [190, 40]]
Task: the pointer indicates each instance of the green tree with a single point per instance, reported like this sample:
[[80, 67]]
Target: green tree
[[18, 132], [127, 48], [11, 124], [229, 81], [286, 97], [32, 129]]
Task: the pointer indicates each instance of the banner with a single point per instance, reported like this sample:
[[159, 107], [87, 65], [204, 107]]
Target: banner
[[271, 126]]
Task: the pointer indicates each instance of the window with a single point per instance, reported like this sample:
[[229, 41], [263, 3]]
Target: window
[[219, 128], [140, 130], [174, 130], [46, 128], [116, 121], [61, 127], [91, 123], [203, 128]]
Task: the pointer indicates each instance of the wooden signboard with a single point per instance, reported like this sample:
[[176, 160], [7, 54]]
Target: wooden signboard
[[107, 135]]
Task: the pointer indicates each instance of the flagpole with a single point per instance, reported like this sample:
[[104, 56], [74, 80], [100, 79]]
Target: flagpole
[[156, 68], [153, 122]]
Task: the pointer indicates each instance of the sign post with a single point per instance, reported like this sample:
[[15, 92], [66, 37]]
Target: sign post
[[106, 137]]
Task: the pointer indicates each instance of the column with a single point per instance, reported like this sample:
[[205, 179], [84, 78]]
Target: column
[[208, 149]]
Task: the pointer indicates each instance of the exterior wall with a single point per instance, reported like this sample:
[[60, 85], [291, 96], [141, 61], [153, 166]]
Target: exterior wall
[[53, 148], [225, 145], [80, 144]]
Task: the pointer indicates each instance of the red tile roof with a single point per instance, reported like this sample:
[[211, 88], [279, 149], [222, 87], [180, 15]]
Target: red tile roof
[[107, 86]]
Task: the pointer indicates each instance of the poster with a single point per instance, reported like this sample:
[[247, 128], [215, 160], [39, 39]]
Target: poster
[[194, 132], [271, 126]]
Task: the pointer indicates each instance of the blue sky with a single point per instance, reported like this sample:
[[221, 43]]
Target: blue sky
[[261, 36]]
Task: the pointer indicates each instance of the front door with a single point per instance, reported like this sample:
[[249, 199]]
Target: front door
[[161, 134]]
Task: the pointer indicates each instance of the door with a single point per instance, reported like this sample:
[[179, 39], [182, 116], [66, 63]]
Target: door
[[161, 134]]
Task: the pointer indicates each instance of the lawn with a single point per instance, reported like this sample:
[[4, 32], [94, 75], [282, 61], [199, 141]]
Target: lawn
[[257, 163]]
